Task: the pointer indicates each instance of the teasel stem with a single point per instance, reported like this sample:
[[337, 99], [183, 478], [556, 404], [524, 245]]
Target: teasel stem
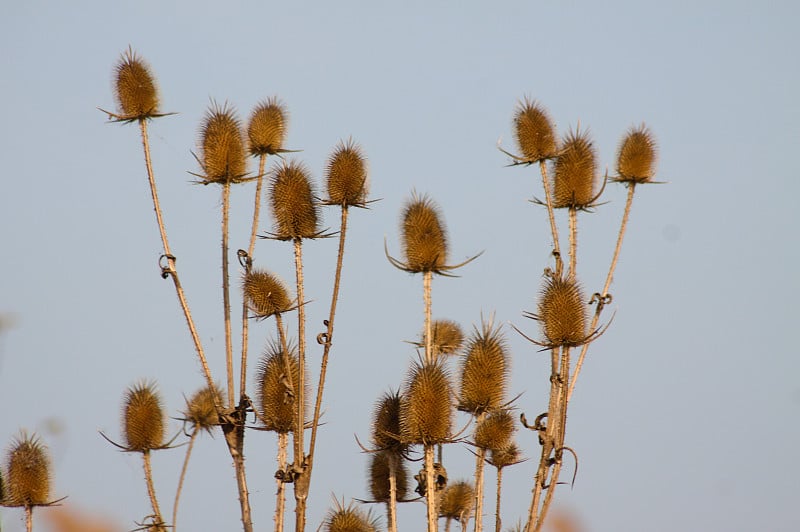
[[479, 461], [151, 490], [391, 505], [280, 497], [426, 294], [28, 518], [497, 519], [609, 277], [573, 242], [226, 296], [302, 481], [551, 215], [185, 467], [430, 485]]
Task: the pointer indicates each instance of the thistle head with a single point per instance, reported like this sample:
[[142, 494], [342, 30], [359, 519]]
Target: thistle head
[[386, 424], [636, 157], [28, 469], [446, 337], [505, 456], [495, 430], [380, 466], [346, 176], [266, 130], [457, 501], [201, 408], [292, 200], [562, 312], [348, 519], [277, 389], [534, 132], [143, 419], [484, 371], [222, 146], [425, 410], [424, 236], [265, 294], [575, 171], [135, 88]]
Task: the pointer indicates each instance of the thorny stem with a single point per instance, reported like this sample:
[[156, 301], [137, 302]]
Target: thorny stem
[[28, 518], [551, 215], [301, 482], [226, 296], [391, 506], [497, 519], [426, 294], [151, 490], [185, 467], [609, 277], [280, 502], [480, 456], [573, 242], [430, 488]]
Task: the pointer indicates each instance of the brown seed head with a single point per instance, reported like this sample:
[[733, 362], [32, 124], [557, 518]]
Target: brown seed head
[[143, 418], [484, 371], [425, 410], [265, 294], [348, 519], [636, 158], [346, 175], [447, 337], [457, 501], [135, 88], [275, 392], [267, 128], [28, 469], [201, 410], [386, 423], [535, 132], [575, 170], [505, 456], [222, 146], [562, 312], [293, 206], [495, 431], [424, 236], [379, 476]]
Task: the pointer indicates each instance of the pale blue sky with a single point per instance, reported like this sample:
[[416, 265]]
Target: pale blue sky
[[685, 417]]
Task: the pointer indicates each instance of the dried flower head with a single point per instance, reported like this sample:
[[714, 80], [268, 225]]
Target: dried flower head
[[575, 170], [222, 146], [266, 130], [505, 456], [446, 337], [424, 236], [348, 519], [425, 410], [386, 424], [535, 132], [484, 371], [28, 469], [346, 176], [201, 409], [277, 389], [457, 501], [293, 205], [379, 471], [636, 158], [135, 88], [265, 294], [562, 312], [143, 418], [495, 430]]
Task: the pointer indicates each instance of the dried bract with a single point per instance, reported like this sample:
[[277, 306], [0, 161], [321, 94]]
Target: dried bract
[[143, 418], [28, 470], [266, 130]]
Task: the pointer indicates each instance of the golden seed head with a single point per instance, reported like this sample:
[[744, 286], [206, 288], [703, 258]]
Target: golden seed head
[[504, 456], [484, 371], [562, 312], [265, 294], [267, 128], [386, 423], [293, 205], [425, 410], [201, 410], [636, 158], [457, 501], [575, 170], [134, 87], [447, 337], [277, 389], [143, 418], [28, 470], [346, 175], [222, 146], [534, 131], [379, 476], [348, 519], [424, 236], [495, 431]]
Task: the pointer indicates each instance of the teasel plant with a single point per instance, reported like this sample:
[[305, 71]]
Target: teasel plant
[[458, 501], [501, 457], [348, 518]]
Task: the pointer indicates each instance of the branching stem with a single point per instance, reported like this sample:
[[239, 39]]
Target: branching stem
[[185, 467], [551, 215]]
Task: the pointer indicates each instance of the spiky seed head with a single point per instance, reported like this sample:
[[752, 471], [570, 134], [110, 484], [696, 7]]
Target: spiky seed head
[[349, 519], [276, 393], [447, 337], [484, 371], [575, 171], [143, 418], [495, 430], [386, 423], [135, 87], [222, 146], [562, 312], [425, 410], [346, 175], [424, 236], [379, 471], [201, 410], [265, 294], [266, 130], [292, 199], [636, 158], [504, 456], [2, 487], [457, 501], [534, 131], [28, 469]]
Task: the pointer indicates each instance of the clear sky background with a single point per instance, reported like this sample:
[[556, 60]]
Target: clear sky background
[[686, 414]]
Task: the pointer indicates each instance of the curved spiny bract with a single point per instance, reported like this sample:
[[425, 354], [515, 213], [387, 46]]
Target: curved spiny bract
[[143, 418], [504, 456], [562, 313], [201, 408], [386, 424], [292, 200], [222, 146], [636, 157], [275, 392], [534, 131], [424, 236], [265, 294], [346, 176], [28, 469], [266, 130], [379, 471], [495, 430], [349, 519], [457, 501], [425, 409], [447, 337], [135, 88], [484, 371], [575, 171]]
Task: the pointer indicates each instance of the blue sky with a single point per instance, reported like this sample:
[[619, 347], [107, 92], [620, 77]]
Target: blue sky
[[685, 414]]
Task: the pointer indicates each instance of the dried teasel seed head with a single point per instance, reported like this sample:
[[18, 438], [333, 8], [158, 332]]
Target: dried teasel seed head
[[386, 423], [495, 430], [447, 337], [562, 312], [425, 410], [534, 132], [636, 158], [457, 501], [265, 294], [135, 88], [346, 175], [201, 410], [504, 456], [379, 471], [143, 418], [349, 519], [28, 470], [293, 205], [266, 130], [222, 146], [575, 171], [424, 236], [484, 371], [277, 389]]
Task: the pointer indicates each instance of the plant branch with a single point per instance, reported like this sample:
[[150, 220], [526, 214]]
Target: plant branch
[[551, 215], [301, 482], [151, 490], [185, 467]]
